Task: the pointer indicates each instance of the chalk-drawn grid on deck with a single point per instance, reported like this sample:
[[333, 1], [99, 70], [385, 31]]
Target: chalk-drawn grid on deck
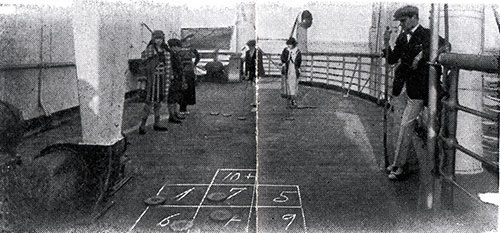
[[188, 201]]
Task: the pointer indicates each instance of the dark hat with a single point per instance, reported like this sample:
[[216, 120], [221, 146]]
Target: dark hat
[[188, 37], [291, 41], [406, 11], [174, 43], [157, 34], [251, 43]]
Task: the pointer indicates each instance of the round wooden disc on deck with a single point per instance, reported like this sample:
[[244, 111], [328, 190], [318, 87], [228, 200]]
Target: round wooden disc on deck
[[217, 197], [306, 107], [181, 225], [155, 200], [221, 215]]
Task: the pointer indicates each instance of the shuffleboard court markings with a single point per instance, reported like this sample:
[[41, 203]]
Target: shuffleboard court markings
[[173, 185], [280, 203], [234, 222], [302, 210], [236, 176], [160, 219], [236, 169], [145, 210], [241, 196], [206, 193], [228, 206], [278, 220], [282, 195], [254, 193], [183, 195]]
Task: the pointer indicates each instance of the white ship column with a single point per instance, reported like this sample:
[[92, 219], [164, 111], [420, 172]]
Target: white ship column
[[466, 24], [245, 25], [100, 89], [302, 39]]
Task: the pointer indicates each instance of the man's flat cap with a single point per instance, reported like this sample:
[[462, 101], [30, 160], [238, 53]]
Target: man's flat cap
[[406, 11]]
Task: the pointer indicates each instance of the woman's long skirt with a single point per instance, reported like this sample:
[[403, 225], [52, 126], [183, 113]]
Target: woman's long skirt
[[189, 95], [289, 83]]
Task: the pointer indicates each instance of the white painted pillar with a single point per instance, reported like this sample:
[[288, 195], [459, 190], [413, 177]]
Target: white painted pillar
[[301, 37], [469, 19], [245, 25], [100, 88]]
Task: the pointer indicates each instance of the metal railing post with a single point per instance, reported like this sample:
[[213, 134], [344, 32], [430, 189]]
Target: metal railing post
[[311, 71], [449, 137], [359, 73], [327, 70], [269, 65], [386, 101], [343, 71], [432, 126]]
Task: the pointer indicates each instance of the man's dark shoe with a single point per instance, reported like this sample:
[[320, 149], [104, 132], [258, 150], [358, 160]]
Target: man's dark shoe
[[160, 128], [142, 130], [174, 120]]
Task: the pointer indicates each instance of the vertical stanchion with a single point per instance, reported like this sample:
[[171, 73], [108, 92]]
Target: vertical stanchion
[[360, 60], [386, 97], [311, 71], [343, 71], [327, 69], [432, 126], [450, 134], [269, 64]]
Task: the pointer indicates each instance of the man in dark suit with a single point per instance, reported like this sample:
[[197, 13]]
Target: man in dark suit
[[412, 49], [254, 65]]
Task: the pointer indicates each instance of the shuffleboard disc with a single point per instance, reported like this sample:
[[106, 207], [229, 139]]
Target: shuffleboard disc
[[221, 215], [195, 230], [216, 196], [226, 114], [155, 200], [181, 225], [214, 113], [305, 107]]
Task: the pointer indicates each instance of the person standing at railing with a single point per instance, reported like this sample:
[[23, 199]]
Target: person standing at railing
[[254, 65], [291, 59], [243, 52], [155, 58], [412, 49]]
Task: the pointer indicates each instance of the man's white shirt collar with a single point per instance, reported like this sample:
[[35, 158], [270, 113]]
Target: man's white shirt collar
[[408, 35]]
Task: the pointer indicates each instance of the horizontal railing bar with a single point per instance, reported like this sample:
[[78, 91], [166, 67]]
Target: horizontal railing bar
[[37, 66], [482, 63], [367, 55], [476, 112], [475, 156], [354, 55]]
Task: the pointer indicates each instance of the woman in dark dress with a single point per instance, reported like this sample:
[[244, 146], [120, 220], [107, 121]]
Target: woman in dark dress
[[178, 84], [186, 54], [253, 61]]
